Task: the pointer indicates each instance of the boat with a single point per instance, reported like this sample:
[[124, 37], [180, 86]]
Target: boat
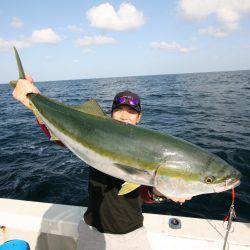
[[49, 226]]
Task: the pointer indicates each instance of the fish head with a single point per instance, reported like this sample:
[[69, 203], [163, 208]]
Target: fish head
[[213, 176], [220, 175]]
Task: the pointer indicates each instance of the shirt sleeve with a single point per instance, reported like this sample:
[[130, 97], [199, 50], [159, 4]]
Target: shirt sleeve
[[146, 195], [47, 133]]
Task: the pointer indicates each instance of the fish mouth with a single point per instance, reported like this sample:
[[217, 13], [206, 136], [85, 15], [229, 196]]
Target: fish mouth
[[228, 184]]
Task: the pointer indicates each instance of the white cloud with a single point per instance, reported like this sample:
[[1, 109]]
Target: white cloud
[[169, 46], [95, 40], [8, 44], [45, 36], [104, 16], [227, 12], [38, 36], [75, 28], [215, 32], [88, 51], [16, 22]]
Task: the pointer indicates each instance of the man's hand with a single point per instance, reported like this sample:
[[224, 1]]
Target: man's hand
[[175, 199], [23, 87]]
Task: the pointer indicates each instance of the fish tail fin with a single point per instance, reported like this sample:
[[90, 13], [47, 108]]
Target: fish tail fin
[[19, 65], [20, 69]]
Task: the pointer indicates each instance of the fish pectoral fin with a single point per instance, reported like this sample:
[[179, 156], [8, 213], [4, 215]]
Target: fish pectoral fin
[[128, 187], [91, 107]]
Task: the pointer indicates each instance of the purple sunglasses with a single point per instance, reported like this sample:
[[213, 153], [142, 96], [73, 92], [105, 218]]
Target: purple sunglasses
[[127, 99]]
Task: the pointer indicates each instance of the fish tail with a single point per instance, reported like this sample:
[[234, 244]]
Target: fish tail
[[20, 69]]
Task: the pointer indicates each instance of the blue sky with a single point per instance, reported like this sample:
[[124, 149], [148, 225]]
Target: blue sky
[[60, 40]]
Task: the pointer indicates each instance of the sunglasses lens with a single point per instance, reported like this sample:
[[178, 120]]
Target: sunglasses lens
[[133, 102], [126, 99], [121, 99]]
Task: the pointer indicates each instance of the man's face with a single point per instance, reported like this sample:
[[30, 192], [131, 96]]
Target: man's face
[[126, 114]]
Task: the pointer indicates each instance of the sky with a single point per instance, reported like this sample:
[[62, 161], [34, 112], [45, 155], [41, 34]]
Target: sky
[[62, 40]]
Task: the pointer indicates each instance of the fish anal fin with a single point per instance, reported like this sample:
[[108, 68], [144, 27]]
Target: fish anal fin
[[128, 187]]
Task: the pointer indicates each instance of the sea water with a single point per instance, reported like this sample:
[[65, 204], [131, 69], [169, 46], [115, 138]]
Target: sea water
[[211, 110]]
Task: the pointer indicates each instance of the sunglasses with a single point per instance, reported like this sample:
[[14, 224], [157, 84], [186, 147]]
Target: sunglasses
[[127, 99]]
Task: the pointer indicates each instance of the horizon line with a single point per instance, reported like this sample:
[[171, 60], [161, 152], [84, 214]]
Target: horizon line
[[183, 73]]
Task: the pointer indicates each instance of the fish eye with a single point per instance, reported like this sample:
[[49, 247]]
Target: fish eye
[[209, 179]]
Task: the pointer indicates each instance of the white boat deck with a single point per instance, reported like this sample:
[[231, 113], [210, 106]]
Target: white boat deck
[[49, 226]]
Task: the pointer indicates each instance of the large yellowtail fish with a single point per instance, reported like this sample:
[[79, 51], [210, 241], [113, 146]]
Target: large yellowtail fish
[[134, 154]]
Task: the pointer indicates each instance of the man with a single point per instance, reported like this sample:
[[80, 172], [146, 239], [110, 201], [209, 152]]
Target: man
[[110, 218]]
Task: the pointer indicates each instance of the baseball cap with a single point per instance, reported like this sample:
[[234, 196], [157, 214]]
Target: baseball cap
[[127, 98]]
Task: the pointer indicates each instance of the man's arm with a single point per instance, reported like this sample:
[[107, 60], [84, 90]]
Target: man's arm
[[24, 87], [151, 195], [146, 194]]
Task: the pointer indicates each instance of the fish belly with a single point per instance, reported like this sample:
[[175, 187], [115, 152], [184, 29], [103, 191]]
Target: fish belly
[[100, 162]]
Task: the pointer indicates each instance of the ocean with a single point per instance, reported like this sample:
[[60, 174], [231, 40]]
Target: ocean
[[211, 110]]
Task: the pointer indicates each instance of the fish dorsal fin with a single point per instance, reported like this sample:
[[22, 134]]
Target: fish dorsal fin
[[91, 107], [128, 187]]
